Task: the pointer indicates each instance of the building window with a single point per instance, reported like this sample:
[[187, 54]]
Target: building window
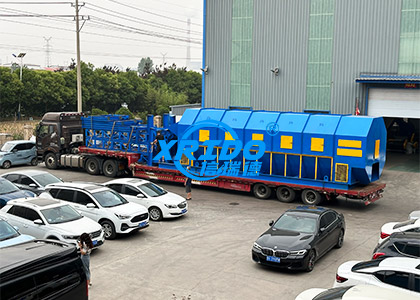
[[409, 60], [240, 76], [321, 32]]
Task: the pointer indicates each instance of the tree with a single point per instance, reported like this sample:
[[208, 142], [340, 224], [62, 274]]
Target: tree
[[124, 111], [145, 66], [98, 112]]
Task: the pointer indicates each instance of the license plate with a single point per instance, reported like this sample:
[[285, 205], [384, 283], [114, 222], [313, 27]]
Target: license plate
[[183, 211], [94, 242], [273, 259], [142, 224]]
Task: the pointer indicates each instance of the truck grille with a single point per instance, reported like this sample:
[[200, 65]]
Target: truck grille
[[95, 234], [140, 217], [182, 204]]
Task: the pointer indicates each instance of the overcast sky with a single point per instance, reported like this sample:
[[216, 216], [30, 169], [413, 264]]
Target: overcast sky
[[119, 32]]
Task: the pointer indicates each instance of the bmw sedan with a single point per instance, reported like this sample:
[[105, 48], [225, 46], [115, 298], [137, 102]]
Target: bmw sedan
[[299, 238]]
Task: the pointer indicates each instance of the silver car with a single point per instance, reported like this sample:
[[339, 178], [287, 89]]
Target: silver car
[[32, 180]]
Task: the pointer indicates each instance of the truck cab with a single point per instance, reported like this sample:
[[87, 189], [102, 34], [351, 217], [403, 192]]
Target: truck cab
[[58, 133]]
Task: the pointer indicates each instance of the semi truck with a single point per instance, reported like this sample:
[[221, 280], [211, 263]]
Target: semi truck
[[308, 156]]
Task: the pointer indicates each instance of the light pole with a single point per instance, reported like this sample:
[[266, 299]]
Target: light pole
[[21, 56]]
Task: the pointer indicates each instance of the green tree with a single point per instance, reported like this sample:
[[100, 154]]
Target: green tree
[[124, 111], [145, 66]]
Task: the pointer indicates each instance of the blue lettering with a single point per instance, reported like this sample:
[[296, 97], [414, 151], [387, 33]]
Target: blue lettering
[[209, 150], [224, 155], [261, 149], [164, 152], [187, 151]]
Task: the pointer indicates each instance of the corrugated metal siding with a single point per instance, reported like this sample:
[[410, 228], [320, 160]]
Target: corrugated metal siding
[[366, 39], [218, 53], [280, 40]]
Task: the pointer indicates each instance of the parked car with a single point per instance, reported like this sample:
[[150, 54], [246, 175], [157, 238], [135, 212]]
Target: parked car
[[411, 225], [404, 244], [42, 270], [160, 203], [10, 236], [9, 191], [399, 273], [299, 238], [51, 219], [103, 205], [18, 153], [32, 180], [357, 292]]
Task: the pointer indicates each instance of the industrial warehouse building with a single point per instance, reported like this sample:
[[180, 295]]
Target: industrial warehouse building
[[334, 56]]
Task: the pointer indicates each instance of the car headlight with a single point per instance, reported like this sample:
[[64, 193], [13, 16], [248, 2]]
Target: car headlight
[[171, 205], [298, 252], [122, 217], [71, 237], [256, 246]]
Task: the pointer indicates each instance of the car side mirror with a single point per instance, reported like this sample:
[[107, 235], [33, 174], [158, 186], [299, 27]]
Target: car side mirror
[[140, 196], [16, 228], [14, 150], [90, 205], [271, 223], [321, 230], [33, 185], [38, 222]]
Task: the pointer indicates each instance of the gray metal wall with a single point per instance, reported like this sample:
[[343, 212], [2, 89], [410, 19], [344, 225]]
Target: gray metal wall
[[366, 39]]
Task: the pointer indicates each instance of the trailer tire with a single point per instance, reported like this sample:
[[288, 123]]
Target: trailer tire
[[261, 191], [51, 161], [110, 168], [311, 197], [92, 166], [285, 194]]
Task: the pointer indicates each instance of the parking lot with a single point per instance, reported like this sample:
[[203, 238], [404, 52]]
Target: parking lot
[[207, 253]]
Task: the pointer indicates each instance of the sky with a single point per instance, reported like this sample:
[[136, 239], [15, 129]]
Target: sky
[[117, 32]]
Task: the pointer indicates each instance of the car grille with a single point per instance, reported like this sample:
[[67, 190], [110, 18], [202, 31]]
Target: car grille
[[139, 218], [182, 204], [95, 234], [277, 253]]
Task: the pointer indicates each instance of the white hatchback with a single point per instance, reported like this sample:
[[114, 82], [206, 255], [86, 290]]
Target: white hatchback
[[51, 219], [397, 273], [103, 205], [411, 225], [160, 203]]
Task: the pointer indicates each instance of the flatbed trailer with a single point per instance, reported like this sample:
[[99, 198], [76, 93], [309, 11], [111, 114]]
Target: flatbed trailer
[[367, 194]]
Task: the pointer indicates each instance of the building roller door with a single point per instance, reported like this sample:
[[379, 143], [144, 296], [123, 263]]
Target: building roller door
[[401, 103]]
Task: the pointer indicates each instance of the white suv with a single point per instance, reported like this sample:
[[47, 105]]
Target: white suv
[[103, 205], [50, 219]]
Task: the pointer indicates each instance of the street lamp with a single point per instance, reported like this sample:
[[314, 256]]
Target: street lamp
[[21, 56]]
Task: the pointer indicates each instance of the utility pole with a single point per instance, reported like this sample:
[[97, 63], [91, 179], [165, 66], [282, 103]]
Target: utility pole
[[79, 71], [163, 57], [47, 52]]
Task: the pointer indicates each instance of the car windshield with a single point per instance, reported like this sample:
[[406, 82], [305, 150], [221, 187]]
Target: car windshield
[[109, 198], [61, 214], [7, 231], [296, 222], [46, 178], [7, 147], [7, 187], [152, 190], [405, 223]]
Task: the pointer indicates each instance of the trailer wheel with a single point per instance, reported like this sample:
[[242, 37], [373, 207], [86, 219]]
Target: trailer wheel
[[311, 197], [51, 161], [261, 191], [110, 168], [92, 166], [285, 194]]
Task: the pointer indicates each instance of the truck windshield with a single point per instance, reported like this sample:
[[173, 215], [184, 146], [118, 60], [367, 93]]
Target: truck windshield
[[7, 147], [7, 231], [46, 178], [152, 190], [61, 214], [7, 187], [109, 198]]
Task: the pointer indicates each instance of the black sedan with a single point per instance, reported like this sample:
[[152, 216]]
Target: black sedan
[[399, 244], [299, 238]]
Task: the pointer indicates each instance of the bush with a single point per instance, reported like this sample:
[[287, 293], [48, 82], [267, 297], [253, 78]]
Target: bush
[[125, 111], [98, 111]]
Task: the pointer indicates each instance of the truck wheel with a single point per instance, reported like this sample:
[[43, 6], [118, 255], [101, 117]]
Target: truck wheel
[[109, 229], [51, 161], [110, 168], [285, 194], [6, 164], [92, 166], [34, 161], [261, 191], [311, 197]]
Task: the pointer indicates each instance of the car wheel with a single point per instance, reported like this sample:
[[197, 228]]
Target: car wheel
[[110, 168], [261, 191], [340, 240], [155, 214], [34, 161], [311, 197], [51, 161], [310, 261], [285, 194], [92, 166], [109, 229], [7, 164]]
